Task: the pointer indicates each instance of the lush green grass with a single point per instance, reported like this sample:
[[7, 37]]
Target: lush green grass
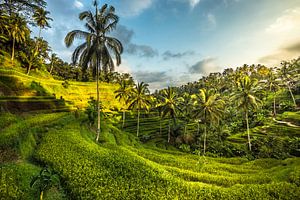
[[109, 171], [77, 93]]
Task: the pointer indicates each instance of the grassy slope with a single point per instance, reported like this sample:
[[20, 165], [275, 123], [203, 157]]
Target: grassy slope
[[77, 92], [109, 171]]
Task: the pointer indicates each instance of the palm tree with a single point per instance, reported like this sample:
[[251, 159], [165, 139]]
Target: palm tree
[[96, 51], [272, 85], [17, 31], [139, 99], [170, 106], [53, 59], [41, 19], [45, 180], [122, 94], [209, 108], [186, 108], [245, 97], [287, 73]]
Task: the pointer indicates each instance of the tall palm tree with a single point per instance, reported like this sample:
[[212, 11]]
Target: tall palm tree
[[17, 31], [122, 94], [245, 98], [139, 99], [170, 107], [272, 85], [209, 108], [287, 73], [186, 105], [97, 48], [53, 59], [41, 19]]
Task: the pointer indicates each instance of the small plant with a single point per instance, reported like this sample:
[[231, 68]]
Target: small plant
[[46, 179]]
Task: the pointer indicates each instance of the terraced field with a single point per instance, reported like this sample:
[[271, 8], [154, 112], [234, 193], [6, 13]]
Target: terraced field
[[111, 171], [18, 87]]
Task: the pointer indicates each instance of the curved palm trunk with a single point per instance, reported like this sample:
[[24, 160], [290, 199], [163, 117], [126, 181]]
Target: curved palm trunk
[[292, 95], [248, 131], [274, 105], [169, 133], [29, 67], [123, 124], [204, 141], [41, 195], [138, 124], [13, 49], [98, 102]]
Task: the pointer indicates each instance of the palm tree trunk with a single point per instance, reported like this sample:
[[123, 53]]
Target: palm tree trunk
[[138, 124], [29, 67], [290, 90], [248, 131], [169, 133], [123, 119], [51, 67], [41, 195], [204, 141], [13, 49], [184, 129], [274, 105], [98, 102]]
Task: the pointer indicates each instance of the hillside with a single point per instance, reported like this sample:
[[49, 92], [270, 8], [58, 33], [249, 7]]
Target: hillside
[[121, 168], [32, 90]]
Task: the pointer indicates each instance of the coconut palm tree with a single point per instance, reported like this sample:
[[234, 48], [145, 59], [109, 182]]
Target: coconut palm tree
[[245, 94], [170, 107], [122, 94], [17, 31], [287, 75], [95, 52], [272, 85], [209, 107], [41, 19], [53, 60], [139, 99]]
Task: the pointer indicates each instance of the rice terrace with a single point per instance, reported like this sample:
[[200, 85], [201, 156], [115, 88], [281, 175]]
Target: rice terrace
[[148, 99]]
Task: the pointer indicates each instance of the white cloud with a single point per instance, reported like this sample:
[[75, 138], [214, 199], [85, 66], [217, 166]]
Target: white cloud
[[124, 67], [134, 7], [289, 21], [212, 19], [194, 3], [78, 4]]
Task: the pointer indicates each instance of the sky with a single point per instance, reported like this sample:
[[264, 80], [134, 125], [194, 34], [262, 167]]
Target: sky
[[172, 42]]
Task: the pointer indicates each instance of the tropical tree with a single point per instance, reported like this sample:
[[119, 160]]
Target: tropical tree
[[97, 48], [170, 107], [209, 108], [41, 19], [17, 31], [245, 96], [186, 105], [139, 99], [46, 179], [122, 94], [272, 85], [53, 59], [287, 73]]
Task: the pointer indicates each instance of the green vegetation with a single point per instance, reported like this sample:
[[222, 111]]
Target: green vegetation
[[230, 135]]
